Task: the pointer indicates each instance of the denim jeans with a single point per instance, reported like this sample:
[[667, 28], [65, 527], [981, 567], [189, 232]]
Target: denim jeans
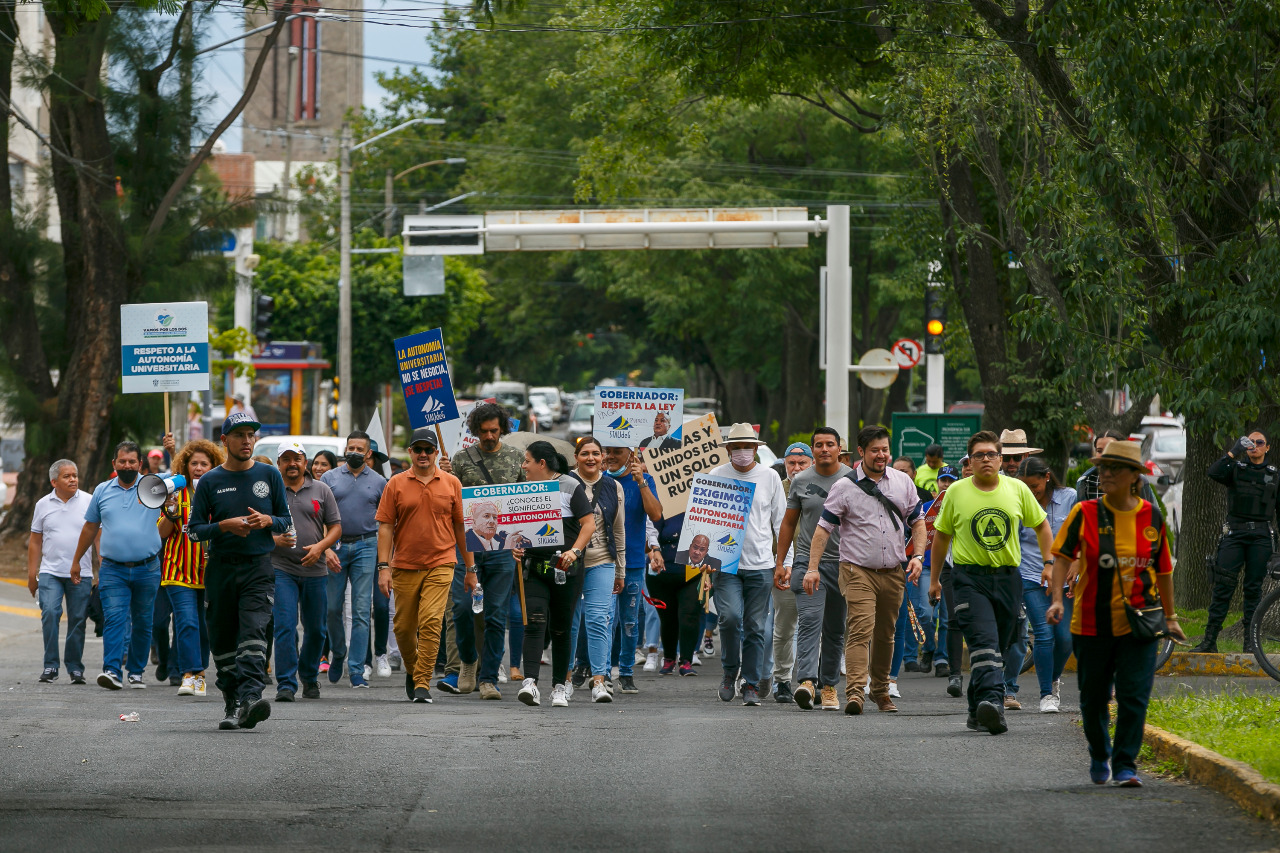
[[515, 629], [496, 571], [919, 595], [305, 600], [901, 629], [1129, 665], [358, 559], [51, 590], [593, 615], [743, 600], [128, 602], [1052, 642], [626, 622], [652, 620], [192, 632]]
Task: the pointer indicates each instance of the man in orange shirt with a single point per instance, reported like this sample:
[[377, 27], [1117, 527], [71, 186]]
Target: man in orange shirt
[[419, 526]]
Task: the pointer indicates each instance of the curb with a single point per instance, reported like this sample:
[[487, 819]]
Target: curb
[[1202, 766], [1189, 663]]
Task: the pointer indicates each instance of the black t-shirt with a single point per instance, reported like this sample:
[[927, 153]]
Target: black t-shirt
[[574, 504], [223, 494]]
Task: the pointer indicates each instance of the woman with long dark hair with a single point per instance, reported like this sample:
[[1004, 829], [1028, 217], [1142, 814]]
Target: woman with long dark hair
[[553, 576]]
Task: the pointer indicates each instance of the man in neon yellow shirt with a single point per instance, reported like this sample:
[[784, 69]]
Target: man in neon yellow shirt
[[927, 475], [979, 522]]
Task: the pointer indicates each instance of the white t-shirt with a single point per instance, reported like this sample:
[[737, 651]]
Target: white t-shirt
[[60, 524], [768, 506]]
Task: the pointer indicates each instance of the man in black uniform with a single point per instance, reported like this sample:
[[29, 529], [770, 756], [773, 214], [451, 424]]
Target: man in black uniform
[[1252, 488], [237, 508]]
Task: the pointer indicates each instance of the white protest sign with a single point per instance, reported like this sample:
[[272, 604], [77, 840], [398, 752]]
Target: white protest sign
[[164, 346], [673, 468], [512, 515], [637, 417], [715, 523]]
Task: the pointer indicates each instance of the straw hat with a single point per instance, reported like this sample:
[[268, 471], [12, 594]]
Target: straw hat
[[1013, 442], [742, 433], [1127, 453]]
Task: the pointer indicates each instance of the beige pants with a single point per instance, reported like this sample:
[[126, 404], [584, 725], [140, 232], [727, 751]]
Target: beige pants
[[421, 599], [873, 599]]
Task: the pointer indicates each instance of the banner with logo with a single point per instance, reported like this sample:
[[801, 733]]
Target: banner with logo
[[673, 468], [637, 417], [512, 515], [424, 379], [164, 346], [715, 523]]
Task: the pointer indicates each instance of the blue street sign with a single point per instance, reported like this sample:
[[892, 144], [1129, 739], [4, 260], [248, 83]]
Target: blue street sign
[[424, 379]]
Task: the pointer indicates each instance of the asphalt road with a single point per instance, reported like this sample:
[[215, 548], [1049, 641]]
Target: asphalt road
[[670, 768]]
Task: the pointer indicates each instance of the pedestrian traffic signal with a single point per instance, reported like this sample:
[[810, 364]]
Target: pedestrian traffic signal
[[935, 321], [262, 308]]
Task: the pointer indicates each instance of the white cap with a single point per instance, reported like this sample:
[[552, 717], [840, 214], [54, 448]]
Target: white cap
[[291, 446]]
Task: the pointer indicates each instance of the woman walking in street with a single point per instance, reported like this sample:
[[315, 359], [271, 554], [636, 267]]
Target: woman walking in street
[[1120, 540], [182, 565], [553, 576]]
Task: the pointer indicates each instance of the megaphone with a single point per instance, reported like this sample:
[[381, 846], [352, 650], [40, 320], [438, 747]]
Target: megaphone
[[153, 491]]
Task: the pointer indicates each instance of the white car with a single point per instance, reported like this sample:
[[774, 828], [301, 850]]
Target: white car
[[267, 445], [554, 402], [1168, 442]]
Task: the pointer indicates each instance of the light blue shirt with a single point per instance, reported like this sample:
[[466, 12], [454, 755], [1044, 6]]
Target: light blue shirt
[[1032, 565], [358, 496], [129, 533]]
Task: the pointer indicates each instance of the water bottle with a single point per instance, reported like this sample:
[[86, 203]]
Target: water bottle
[[477, 599], [560, 575]]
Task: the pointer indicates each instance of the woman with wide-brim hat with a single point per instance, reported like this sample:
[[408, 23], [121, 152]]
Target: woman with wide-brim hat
[[1120, 540]]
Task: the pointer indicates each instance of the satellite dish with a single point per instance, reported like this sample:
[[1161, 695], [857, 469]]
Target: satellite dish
[[153, 491]]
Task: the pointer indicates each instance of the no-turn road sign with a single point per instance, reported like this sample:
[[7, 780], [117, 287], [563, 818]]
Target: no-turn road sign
[[907, 353]]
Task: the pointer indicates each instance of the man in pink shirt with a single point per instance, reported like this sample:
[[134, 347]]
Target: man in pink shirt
[[874, 510]]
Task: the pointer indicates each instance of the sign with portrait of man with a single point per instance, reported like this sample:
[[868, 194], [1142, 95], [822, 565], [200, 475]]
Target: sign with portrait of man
[[505, 516], [715, 523]]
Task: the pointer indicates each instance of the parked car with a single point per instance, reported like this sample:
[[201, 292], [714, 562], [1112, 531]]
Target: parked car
[[580, 420], [701, 406], [553, 399], [269, 444], [1169, 442], [967, 407]]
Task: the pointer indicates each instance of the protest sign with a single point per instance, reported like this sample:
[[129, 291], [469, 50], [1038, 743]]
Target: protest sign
[[512, 515], [715, 523], [164, 346], [637, 417], [424, 379], [673, 468]]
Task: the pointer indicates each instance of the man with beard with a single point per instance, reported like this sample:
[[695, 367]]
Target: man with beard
[[237, 508]]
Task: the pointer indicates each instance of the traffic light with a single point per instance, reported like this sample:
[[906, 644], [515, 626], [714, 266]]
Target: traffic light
[[333, 408], [262, 308], [935, 321]]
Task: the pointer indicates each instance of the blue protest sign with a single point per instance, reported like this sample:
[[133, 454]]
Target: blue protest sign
[[715, 523], [424, 379]]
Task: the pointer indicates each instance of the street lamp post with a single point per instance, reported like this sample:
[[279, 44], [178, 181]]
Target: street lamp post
[[344, 269]]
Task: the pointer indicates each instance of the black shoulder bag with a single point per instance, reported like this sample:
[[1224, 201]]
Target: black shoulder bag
[[479, 460], [868, 485], [1146, 623]]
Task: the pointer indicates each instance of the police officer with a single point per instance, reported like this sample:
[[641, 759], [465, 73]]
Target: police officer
[[1252, 488]]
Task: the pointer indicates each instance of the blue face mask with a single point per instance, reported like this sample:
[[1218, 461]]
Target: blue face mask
[[618, 472]]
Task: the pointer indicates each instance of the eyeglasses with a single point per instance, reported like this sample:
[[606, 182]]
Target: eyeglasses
[[980, 457], [418, 450], [1017, 456], [1114, 468]]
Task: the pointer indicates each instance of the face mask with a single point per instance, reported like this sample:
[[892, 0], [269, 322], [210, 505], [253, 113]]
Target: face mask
[[742, 458], [127, 476], [618, 472], [354, 460]]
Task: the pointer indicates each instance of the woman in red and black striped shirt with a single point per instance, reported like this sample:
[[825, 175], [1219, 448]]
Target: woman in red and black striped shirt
[[1120, 541], [182, 566]]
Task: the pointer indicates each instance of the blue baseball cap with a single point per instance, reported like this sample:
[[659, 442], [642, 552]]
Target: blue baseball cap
[[239, 419], [798, 447], [950, 472], [378, 455]]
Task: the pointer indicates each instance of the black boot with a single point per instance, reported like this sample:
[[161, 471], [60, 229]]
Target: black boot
[[926, 661], [230, 713], [1249, 646], [955, 684], [1209, 645]]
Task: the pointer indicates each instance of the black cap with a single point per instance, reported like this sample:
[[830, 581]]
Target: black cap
[[426, 434]]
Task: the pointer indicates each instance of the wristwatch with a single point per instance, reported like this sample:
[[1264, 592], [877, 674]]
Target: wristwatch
[[471, 570], [381, 566]]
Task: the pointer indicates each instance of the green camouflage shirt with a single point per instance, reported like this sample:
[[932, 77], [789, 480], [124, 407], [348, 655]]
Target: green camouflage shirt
[[503, 466]]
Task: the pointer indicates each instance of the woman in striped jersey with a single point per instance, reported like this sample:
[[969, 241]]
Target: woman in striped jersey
[[182, 566]]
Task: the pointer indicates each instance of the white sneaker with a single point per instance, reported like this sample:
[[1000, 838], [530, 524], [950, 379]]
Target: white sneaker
[[368, 672], [842, 672], [545, 660], [893, 690], [136, 682], [502, 675], [188, 687], [641, 657], [197, 683], [560, 696], [651, 662], [384, 666], [1050, 704], [600, 693], [866, 688], [529, 692], [1057, 691], [697, 661], [568, 689]]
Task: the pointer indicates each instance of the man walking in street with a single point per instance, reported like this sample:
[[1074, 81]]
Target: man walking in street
[[820, 606], [872, 508], [420, 531], [486, 463], [797, 459], [358, 489], [238, 507], [55, 530], [742, 599], [927, 475], [979, 524], [300, 575], [129, 576]]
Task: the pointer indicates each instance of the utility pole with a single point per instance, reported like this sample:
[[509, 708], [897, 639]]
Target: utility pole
[[388, 219], [839, 295], [295, 69], [346, 148]]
